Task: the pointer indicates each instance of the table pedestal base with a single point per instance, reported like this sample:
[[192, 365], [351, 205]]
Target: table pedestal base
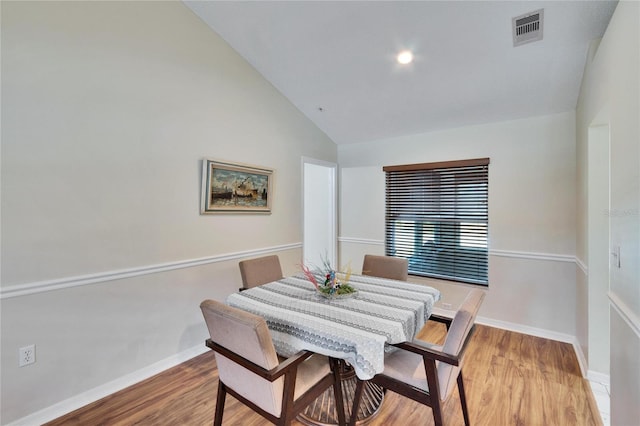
[[322, 411]]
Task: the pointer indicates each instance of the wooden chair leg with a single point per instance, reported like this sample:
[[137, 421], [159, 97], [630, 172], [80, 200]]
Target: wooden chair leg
[[463, 399], [356, 402], [434, 389], [337, 390], [220, 399], [437, 412]]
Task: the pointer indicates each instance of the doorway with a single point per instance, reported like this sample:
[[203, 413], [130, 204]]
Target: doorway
[[599, 246], [319, 197]]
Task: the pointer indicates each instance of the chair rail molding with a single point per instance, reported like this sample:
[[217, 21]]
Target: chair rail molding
[[81, 280], [625, 313], [353, 240], [492, 252], [534, 256], [584, 268]]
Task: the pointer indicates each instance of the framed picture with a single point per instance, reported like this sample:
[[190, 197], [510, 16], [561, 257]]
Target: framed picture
[[235, 188]]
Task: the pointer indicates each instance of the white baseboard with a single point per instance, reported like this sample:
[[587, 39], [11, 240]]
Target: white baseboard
[[53, 412], [552, 335], [539, 332], [594, 376], [78, 401], [582, 360], [524, 329]]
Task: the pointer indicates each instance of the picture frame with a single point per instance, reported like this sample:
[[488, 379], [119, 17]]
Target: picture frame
[[235, 188]]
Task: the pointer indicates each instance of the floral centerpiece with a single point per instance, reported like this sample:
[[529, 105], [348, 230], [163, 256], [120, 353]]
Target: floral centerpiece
[[330, 282]]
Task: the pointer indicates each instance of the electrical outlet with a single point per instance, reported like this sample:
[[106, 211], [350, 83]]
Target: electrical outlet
[[27, 355], [446, 305]]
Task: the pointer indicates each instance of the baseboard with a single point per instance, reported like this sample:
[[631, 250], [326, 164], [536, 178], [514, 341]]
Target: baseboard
[[53, 412], [582, 359], [594, 376], [524, 329], [79, 401], [539, 332]]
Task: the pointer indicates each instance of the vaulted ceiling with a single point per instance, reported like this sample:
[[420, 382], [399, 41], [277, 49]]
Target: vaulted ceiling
[[336, 60]]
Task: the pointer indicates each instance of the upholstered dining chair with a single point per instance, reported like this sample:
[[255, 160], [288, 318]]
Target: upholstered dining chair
[[395, 268], [249, 368], [260, 271], [427, 373]]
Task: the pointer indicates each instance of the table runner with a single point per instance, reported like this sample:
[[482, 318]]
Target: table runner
[[356, 329]]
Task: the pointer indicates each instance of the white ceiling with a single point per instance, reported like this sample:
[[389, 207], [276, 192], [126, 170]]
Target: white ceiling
[[336, 60]]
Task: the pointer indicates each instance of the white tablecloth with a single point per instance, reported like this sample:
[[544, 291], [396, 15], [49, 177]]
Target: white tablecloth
[[356, 329]]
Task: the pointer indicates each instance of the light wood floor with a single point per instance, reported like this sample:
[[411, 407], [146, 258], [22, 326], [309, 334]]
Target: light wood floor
[[510, 379]]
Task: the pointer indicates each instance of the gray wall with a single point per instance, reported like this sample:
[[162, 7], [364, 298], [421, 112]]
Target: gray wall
[[108, 109], [531, 214], [610, 96]]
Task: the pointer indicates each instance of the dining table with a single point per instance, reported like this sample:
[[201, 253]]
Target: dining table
[[357, 328]]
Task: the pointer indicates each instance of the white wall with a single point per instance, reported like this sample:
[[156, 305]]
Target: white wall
[[531, 212], [610, 95], [108, 109]]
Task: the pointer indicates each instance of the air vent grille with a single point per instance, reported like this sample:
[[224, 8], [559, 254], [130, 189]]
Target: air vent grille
[[527, 27]]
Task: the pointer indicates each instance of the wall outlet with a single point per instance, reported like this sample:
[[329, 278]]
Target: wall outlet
[[446, 305], [27, 355]]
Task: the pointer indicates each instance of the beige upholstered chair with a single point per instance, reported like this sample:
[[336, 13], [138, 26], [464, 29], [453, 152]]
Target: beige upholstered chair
[[249, 368], [260, 271], [427, 373], [395, 268]]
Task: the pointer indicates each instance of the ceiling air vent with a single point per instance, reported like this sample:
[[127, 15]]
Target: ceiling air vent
[[527, 27]]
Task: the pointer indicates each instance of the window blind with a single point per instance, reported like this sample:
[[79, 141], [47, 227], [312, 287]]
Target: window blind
[[437, 217]]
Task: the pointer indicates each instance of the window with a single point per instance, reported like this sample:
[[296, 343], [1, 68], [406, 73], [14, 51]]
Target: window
[[437, 217]]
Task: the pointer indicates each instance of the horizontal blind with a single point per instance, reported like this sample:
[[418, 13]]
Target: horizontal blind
[[437, 217]]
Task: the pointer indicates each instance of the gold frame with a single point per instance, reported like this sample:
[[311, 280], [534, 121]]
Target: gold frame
[[235, 188]]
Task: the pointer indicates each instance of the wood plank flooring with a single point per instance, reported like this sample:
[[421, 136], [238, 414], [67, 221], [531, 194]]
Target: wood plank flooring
[[511, 379]]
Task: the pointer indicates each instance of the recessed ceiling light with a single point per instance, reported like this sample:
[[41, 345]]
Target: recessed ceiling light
[[405, 57]]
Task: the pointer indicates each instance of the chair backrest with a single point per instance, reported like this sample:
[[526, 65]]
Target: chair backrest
[[248, 336], [260, 271], [395, 268], [457, 334]]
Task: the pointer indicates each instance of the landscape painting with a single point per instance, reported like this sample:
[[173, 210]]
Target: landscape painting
[[235, 188]]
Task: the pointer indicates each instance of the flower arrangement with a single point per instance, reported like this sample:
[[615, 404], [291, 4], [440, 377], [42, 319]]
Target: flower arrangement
[[335, 283]]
